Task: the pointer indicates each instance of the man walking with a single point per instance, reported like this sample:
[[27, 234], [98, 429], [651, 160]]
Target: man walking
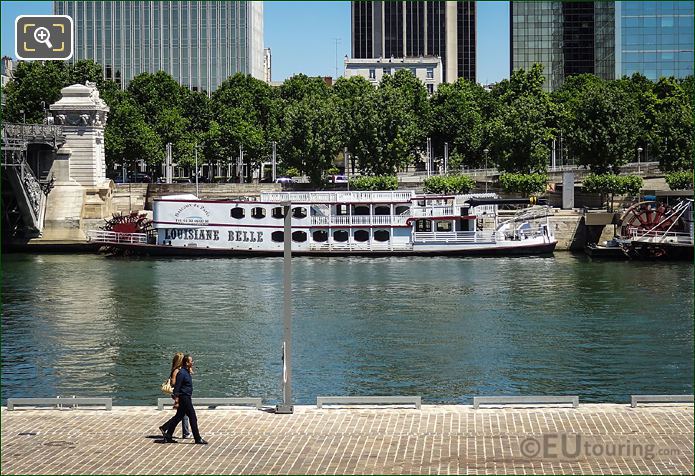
[[183, 392]]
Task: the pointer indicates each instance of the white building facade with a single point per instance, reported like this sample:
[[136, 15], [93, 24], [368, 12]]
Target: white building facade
[[427, 69]]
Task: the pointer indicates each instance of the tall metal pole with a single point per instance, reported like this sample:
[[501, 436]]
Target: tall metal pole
[[347, 167], [639, 156], [275, 162], [241, 164], [486, 151], [197, 193], [446, 158], [286, 406], [429, 156]]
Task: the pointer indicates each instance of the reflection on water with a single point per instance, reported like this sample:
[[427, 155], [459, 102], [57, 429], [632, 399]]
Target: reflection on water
[[443, 328]]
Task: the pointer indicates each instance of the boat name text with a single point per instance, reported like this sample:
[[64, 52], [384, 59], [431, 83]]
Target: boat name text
[[213, 235]]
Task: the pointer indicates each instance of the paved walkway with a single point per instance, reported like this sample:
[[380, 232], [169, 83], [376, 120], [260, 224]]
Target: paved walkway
[[607, 439]]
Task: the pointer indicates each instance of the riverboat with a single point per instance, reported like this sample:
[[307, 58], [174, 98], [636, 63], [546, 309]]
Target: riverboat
[[651, 230], [368, 223]]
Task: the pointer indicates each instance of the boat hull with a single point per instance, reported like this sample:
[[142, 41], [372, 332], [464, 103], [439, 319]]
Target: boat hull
[[142, 249], [642, 252]]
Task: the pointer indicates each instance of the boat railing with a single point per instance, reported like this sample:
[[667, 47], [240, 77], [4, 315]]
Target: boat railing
[[661, 236], [367, 246], [338, 197], [347, 220], [454, 237], [432, 211], [102, 236]]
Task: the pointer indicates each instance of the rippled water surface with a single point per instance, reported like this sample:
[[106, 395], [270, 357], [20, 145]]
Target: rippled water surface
[[443, 328]]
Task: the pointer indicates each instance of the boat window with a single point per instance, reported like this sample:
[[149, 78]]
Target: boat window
[[299, 212], [299, 236], [382, 210], [341, 209], [443, 226], [361, 235], [258, 212], [278, 236], [278, 212], [402, 209], [382, 235], [423, 225], [238, 213], [340, 235], [320, 236], [360, 210]]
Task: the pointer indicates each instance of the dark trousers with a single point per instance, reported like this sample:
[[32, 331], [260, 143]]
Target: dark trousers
[[185, 408]]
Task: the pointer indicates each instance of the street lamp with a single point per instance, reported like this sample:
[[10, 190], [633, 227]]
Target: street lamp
[[639, 156], [197, 193], [24, 116], [486, 151]]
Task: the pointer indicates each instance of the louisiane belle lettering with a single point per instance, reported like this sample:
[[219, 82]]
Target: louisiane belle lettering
[[213, 235]]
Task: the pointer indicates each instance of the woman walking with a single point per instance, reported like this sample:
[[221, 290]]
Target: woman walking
[[176, 364], [183, 393]]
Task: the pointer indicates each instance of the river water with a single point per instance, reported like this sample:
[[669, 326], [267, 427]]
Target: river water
[[443, 328]]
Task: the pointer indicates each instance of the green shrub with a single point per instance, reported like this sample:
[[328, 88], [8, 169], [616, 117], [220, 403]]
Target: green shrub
[[333, 171], [292, 172], [680, 180], [613, 184], [526, 184], [376, 182], [448, 184]]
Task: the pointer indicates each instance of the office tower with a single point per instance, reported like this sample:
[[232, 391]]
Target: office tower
[[654, 38], [414, 29], [565, 37], [200, 43]]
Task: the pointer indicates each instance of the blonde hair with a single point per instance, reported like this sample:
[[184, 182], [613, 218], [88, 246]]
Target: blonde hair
[[176, 362]]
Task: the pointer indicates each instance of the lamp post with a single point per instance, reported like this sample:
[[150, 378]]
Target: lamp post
[[24, 116], [639, 156], [275, 169], [197, 193], [486, 151]]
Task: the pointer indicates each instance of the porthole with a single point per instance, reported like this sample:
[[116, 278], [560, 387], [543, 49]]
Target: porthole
[[382, 235], [278, 212], [277, 236], [361, 236], [258, 212], [299, 212], [382, 210], [340, 235], [238, 213], [299, 236], [320, 236]]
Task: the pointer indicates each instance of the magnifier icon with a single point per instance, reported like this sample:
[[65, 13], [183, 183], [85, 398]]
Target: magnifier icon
[[42, 35]]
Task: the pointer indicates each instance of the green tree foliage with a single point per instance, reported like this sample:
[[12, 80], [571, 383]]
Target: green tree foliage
[[355, 99], [526, 184], [448, 184], [602, 127], [613, 184], [309, 138], [129, 138], [34, 82], [680, 180], [374, 182], [524, 124], [672, 133], [458, 119]]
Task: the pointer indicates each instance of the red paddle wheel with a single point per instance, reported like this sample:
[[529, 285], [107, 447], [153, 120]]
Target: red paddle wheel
[[132, 223], [646, 217]]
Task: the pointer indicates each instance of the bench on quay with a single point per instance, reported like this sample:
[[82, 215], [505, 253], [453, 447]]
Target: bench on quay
[[527, 400], [370, 400], [216, 402], [59, 402], [635, 399]]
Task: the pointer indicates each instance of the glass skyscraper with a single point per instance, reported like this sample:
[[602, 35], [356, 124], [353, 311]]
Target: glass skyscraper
[[413, 29], [654, 38], [608, 39], [200, 43]]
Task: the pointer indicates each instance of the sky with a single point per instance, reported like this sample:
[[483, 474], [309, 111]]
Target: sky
[[308, 37]]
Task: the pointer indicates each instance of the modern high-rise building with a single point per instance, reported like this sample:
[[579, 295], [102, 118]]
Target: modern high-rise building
[[654, 38], [414, 29], [608, 39], [200, 43]]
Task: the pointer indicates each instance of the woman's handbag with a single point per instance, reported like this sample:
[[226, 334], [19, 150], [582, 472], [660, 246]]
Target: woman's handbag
[[166, 387]]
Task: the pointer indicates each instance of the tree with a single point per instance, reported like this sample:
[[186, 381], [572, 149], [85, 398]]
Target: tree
[[524, 123], [155, 92], [526, 184], [310, 136], [128, 138], [672, 133], [356, 109], [34, 82]]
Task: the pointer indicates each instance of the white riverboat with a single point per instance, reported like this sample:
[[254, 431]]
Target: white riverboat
[[339, 223]]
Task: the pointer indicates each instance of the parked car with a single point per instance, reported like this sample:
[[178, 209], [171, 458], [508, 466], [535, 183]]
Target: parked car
[[339, 179], [284, 180]]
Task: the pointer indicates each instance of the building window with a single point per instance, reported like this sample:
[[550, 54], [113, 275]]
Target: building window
[[387, 71], [430, 73], [372, 73], [299, 236], [341, 209], [423, 225], [258, 212], [443, 226], [238, 213], [430, 88], [340, 235], [278, 236], [320, 236], [361, 236], [278, 212]]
